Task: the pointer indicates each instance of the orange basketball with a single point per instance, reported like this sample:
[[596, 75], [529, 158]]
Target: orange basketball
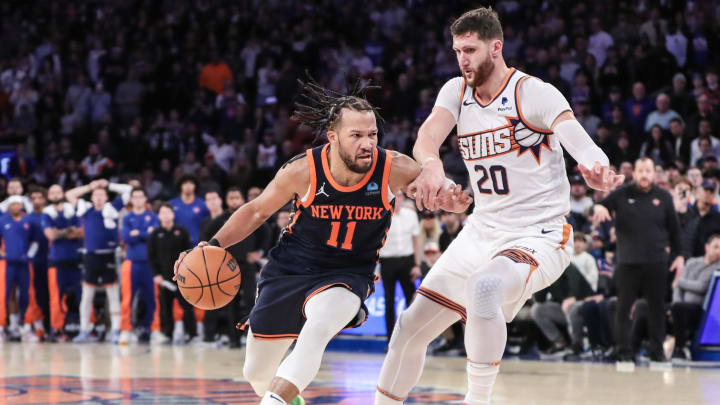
[[208, 277]]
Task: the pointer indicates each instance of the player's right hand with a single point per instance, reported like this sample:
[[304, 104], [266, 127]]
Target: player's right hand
[[425, 188], [600, 214], [181, 256]]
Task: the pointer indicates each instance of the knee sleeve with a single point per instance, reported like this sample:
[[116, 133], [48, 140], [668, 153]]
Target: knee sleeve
[[486, 296]]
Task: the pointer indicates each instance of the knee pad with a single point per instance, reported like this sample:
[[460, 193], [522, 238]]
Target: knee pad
[[486, 296]]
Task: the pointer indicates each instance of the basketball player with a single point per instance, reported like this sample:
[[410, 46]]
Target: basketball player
[[137, 225], [19, 241], [63, 229], [511, 127], [321, 270], [100, 227]]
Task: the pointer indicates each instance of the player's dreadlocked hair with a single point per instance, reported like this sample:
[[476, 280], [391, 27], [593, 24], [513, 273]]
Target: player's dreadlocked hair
[[321, 108]]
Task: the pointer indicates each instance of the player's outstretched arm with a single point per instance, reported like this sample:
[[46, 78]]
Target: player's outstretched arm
[[291, 180], [403, 173], [593, 163], [431, 136]]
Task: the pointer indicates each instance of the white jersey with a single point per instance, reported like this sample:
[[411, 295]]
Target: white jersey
[[516, 164]]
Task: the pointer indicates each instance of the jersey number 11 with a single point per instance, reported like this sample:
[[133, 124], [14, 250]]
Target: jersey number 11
[[335, 230]]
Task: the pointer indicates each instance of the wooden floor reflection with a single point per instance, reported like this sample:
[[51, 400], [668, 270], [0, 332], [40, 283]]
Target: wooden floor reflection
[[104, 374]]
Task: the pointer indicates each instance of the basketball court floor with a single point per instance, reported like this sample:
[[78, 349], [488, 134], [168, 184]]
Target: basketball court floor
[[105, 374]]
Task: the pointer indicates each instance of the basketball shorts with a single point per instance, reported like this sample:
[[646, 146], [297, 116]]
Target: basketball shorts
[[99, 269], [279, 312], [547, 248]]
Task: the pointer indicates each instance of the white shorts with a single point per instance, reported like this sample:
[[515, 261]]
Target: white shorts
[[546, 247]]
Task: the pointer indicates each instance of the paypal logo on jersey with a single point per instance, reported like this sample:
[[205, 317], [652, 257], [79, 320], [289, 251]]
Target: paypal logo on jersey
[[505, 107]]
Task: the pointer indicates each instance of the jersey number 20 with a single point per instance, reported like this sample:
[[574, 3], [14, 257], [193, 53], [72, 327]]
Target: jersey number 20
[[335, 230], [497, 174]]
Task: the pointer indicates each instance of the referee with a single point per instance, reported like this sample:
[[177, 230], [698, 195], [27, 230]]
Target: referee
[[648, 235]]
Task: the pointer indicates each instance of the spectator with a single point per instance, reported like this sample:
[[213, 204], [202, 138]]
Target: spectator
[[95, 165], [709, 217], [600, 41], [214, 75], [638, 107], [680, 99], [657, 148], [680, 140], [713, 89], [128, 97], [555, 306], [662, 115], [588, 120], [689, 294], [704, 112], [100, 104], [584, 261], [452, 225]]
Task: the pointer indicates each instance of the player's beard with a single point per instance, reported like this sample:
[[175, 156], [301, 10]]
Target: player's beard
[[482, 73], [352, 163]]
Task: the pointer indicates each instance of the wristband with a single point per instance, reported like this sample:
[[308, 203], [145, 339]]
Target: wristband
[[214, 242]]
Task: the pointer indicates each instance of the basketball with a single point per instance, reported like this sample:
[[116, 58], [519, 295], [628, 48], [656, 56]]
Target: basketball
[[526, 137], [208, 277]]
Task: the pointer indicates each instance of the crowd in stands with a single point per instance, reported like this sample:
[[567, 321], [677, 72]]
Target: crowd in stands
[[146, 93]]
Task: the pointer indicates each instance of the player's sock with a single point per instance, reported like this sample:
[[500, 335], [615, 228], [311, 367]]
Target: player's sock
[[14, 321], [113, 295], [383, 399], [481, 378], [271, 398], [200, 330], [86, 302]]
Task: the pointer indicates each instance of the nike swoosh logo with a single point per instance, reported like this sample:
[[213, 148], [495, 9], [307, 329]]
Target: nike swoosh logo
[[544, 231], [465, 103], [275, 397]]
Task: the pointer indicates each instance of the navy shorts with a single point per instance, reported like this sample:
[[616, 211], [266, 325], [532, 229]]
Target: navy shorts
[[99, 269], [279, 312]]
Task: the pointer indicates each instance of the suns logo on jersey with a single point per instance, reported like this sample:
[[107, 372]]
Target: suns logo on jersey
[[514, 136]]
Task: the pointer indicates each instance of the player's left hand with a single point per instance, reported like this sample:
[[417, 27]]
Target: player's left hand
[[601, 177], [454, 199], [181, 256]]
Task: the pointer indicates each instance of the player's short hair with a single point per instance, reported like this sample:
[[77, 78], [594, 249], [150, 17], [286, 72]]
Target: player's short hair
[[644, 160], [235, 189], [678, 120], [185, 178], [37, 189], [138, 189], [321, 108], [166, 205], [712, 238], [483, 21]]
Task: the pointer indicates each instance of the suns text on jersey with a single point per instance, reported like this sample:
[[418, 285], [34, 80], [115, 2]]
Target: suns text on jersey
[[485, 144], [349, 212]]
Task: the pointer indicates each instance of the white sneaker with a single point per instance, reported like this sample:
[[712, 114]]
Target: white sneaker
[[625, 366], [125, 337], [27, 335], [158, 338]]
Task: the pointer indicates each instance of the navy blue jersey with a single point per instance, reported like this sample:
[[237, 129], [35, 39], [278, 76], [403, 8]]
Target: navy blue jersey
[[336, 227]]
